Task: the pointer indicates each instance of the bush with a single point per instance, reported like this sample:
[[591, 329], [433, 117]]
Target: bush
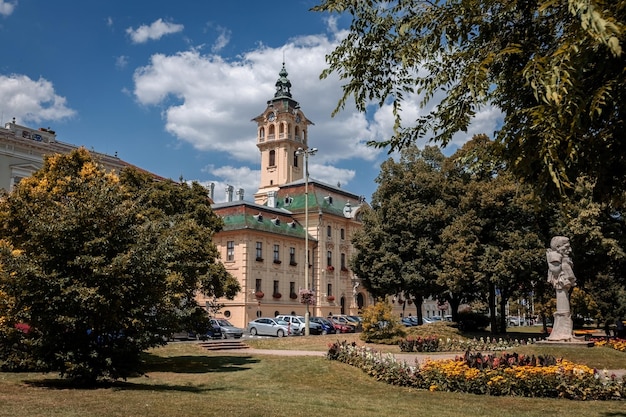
[[470, 321], [379, 323]]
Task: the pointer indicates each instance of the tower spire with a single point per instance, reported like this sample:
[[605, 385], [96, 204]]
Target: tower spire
[[283, 85]]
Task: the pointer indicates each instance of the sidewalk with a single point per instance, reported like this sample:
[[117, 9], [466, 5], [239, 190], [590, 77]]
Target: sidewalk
[[409, 358]]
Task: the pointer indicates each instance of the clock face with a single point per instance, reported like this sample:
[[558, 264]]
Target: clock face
[[298, 119], [271, 117]]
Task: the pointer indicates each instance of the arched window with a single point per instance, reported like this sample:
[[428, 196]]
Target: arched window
[[295, 159], [297, 135], [262, 132], [271, 132], [272, 158]]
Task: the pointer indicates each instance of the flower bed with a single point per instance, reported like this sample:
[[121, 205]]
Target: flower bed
[[439, 344], [617, 344], [520, 376]]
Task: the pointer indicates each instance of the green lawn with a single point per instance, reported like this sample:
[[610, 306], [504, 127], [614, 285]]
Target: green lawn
[[182, 380]]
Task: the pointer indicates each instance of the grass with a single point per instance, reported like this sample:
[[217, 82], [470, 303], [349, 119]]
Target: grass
[[182, 380]]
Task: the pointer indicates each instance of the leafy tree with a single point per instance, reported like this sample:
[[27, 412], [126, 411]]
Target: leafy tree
[[398, 248], [102, 268], [554, 68], [495, 241]]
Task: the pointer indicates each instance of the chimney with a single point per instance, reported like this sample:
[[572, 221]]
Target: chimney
[[271, 199], [240, 194], [229, 193]]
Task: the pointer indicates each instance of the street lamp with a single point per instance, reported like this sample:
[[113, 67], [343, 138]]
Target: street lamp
[[306, 154]]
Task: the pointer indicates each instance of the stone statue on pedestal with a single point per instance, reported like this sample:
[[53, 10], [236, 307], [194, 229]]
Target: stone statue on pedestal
[[561, 276]]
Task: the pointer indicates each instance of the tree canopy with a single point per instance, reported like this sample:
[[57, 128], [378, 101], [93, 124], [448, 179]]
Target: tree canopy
[[554, 68], [101, 267]]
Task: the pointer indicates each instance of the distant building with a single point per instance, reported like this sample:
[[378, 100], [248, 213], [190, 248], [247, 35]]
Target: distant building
[[22, 150], [263, 243]]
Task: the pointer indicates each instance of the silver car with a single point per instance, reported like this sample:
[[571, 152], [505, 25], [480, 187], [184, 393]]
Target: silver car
[[228, 330], [269, 327]]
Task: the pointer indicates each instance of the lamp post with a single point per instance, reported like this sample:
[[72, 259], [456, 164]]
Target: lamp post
[[306, 154]]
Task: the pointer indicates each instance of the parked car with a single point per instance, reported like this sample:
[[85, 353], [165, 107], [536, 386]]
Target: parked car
[[327, 326], [269, 326], [349, 320], [298, 324], [341, 325], [228, 330], [214, 332], [407, 322], [183, 336]]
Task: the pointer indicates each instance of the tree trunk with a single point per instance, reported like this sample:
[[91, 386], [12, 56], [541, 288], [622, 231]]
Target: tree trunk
[[419, 300], [455, 302], [504, 296], [492, 308]]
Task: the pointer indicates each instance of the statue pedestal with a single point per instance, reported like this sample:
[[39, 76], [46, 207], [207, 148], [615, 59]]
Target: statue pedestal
[[572, 343]]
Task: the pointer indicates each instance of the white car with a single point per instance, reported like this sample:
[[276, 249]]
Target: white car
[[297, 324], [269, 327]]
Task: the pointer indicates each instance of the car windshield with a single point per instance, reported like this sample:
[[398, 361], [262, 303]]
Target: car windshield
[[223, 322], [281, 322]]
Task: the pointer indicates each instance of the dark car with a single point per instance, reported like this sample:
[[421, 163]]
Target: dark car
[[327, 326], [214, 332]]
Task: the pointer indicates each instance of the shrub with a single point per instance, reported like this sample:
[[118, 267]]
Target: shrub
[[469, 321], [379, 323]]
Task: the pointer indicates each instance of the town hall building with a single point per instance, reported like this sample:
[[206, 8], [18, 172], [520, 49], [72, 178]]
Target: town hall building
[[264, 243]]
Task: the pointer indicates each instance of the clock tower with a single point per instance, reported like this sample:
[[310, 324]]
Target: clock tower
[[281, 130]]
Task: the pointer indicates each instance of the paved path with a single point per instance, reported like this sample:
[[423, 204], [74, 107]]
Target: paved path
[[409, 358]]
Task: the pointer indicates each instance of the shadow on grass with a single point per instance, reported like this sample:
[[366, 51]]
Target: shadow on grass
[[196, 364], [153, 363], [614, 414], [65, 384]]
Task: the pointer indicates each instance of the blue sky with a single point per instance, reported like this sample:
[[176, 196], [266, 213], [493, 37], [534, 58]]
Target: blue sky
[[172, 86]]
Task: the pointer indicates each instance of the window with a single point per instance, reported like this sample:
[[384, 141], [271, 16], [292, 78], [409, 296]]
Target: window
[[292, 256], [259, 251], [277, 254], [276, 288], [329, 258], [230, 250], [343, 261], [343, 233], [262, 132], [292, 289], [329, 231], [272, 158], [295, 159], [257, 285], [329, 290]]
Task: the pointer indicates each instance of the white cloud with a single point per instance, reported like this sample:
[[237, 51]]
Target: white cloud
[[207, 102], [31, 100], [6, 7], [155, 31], [121, 61], [222, 39]]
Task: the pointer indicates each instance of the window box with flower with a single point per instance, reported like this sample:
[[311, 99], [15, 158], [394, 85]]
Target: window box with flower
[[259, 294], [330, 298], [330, 268], [277, 295], [293, 295]]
